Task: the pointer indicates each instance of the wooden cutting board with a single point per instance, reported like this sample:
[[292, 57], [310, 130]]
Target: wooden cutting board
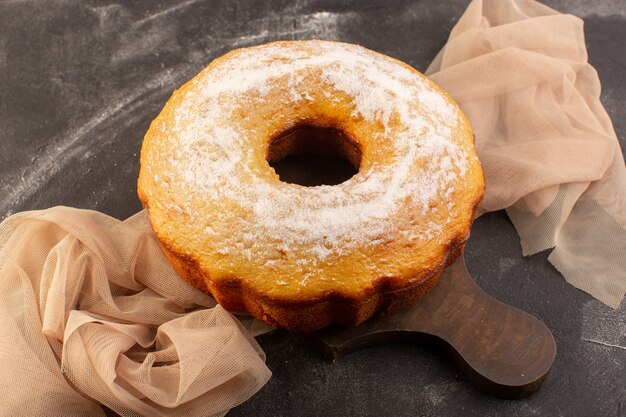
[[501, 349]]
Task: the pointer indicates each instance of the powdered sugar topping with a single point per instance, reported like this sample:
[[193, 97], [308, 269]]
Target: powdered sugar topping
[[323, 222]]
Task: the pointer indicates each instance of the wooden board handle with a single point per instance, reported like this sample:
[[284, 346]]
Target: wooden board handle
[[503, 350]]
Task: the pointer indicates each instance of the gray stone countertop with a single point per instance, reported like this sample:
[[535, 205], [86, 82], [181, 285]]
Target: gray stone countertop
[[81, 81]]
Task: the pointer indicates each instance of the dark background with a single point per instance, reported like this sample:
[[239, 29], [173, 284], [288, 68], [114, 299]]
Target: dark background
[[81, 81]]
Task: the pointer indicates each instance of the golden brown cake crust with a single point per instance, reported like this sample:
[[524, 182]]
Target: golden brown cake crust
[[309, 315], [254, 257]]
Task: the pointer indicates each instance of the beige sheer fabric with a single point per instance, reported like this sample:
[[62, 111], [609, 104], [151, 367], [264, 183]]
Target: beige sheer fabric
[[92, 312], [551, 157]]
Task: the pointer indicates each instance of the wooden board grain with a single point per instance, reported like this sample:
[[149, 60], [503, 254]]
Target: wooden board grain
[[501, 349]]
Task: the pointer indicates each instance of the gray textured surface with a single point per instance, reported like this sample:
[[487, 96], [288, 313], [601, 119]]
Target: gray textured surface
[[80, 82]]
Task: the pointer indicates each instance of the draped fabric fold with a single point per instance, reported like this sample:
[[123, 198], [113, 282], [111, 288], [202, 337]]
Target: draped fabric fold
[[93, 313], [519, 71]]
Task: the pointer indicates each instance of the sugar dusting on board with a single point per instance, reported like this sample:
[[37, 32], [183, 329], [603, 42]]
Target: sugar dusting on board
[[318, 222]]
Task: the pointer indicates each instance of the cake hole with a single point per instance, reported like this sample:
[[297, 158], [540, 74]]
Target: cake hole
[[311, 155]]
